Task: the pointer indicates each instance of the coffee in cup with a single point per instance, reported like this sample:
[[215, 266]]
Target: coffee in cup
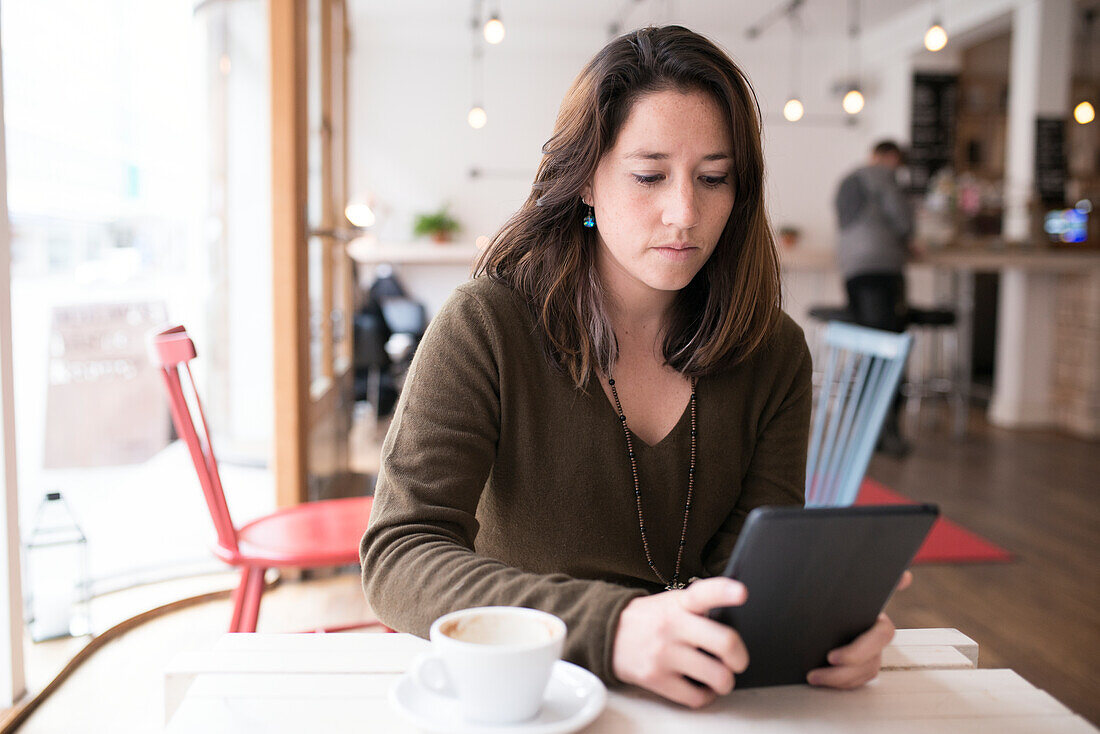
[[494, 661]]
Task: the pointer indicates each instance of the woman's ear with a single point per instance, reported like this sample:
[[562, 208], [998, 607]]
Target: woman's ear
[[586, 194]]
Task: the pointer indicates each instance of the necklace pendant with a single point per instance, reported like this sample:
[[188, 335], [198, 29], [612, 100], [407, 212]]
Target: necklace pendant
[[675, 586]]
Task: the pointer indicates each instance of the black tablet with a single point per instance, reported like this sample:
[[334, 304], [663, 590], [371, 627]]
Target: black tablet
[[817, 579]]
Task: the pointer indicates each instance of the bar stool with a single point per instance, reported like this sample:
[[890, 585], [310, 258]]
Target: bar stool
[[934, 364]]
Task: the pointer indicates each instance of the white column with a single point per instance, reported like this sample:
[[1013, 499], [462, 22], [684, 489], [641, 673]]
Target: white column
[[1039, 77], [12, 684], [1038, 87], [1024, 369]]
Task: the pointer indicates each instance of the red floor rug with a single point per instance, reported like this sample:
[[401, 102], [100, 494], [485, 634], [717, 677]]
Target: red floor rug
[[946, 542]]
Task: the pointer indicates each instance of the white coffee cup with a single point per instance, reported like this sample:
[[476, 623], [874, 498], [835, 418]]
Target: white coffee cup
[[494, 661]]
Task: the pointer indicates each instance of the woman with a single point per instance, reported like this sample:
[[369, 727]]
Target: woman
[[587, 424]]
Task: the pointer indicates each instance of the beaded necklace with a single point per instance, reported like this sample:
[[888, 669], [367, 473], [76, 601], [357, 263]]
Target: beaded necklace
[[675, 582]]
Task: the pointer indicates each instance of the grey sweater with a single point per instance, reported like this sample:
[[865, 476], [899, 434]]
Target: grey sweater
[[502, 484], [876, 238]]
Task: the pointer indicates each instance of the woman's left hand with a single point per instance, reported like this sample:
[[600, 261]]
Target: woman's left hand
[[859, 661]]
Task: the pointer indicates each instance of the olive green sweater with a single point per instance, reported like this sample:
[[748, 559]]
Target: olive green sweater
[[503, 484]]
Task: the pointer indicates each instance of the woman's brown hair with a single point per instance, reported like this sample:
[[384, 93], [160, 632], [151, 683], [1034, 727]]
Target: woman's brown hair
[[545, 253]]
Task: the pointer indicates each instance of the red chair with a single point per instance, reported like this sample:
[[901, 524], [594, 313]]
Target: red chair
[[311, 535]]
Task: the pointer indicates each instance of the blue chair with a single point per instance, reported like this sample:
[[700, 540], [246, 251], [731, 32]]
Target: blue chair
[[862, 370]]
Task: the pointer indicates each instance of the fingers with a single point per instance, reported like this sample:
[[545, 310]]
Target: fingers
[[679, 689], [905, 580], [691, 663], [866, 646], [664, 639], [718, 639], [845, 677], [858, 662], [707, 594]]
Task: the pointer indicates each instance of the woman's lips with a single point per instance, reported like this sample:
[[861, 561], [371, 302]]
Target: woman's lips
[[677, 253]]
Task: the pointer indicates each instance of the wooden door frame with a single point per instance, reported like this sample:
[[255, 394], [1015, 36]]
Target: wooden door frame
[[287, 22], [303, 400]]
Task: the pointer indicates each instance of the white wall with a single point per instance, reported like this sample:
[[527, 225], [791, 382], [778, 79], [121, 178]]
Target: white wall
[[411, 145]]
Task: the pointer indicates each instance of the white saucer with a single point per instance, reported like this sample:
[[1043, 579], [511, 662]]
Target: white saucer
[[574, 698]]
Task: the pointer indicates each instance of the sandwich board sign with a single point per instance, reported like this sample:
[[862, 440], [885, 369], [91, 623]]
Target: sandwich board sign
[[105, 402]]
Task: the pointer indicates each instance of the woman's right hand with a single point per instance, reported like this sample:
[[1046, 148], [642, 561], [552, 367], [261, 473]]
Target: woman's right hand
[[664, 639]]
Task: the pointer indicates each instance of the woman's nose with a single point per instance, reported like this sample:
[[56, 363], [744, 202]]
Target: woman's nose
[[680, 206]]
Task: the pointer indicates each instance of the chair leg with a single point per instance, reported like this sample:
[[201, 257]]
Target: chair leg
[[961, 408], [238, 600], [914, 387], [251, 612], [246, 600]]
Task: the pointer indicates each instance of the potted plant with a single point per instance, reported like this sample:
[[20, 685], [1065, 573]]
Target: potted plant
[[439, 224], [788, 236]]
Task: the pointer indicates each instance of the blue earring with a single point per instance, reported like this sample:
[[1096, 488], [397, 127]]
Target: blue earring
[[589, 218]]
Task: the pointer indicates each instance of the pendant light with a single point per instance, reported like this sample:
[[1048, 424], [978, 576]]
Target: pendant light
[[477, 117], [935, 38], [853, 98], [1084, 112], [494, 29], [793, 109], [853, 101]]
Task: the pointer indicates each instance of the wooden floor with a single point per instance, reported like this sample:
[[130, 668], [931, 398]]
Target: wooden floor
[[1034, 493], [1038, 495]]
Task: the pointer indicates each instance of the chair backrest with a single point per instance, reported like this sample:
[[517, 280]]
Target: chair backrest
[[172, 350], [863, 367]]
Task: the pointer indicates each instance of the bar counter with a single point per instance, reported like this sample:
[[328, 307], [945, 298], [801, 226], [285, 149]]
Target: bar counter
[[994, 257], [1047, 364]]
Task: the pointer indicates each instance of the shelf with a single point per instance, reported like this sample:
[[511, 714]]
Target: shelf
[[370, 252]]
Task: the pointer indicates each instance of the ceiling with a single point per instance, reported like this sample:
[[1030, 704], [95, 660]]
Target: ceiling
[[819, 17]]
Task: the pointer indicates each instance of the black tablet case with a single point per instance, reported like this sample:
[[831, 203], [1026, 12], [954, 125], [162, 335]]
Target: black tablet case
[[817, 579]]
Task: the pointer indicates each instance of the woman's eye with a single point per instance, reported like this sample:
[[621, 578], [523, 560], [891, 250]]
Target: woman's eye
[[711, 182]]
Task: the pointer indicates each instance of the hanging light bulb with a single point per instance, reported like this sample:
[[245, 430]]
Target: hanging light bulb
[[853, 98], [1084, 113], [935, 38], [853, 101], [494, 30], [793, 109], [477, 117]]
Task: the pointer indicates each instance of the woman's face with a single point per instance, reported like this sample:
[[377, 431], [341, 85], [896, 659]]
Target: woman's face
[[663, 194]]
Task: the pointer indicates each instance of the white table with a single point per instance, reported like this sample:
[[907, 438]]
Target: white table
[[338, 683]]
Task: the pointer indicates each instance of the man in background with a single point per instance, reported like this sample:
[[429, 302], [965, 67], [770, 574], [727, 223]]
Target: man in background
[[874, 243]]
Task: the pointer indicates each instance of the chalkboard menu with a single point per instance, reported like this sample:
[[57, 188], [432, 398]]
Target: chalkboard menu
[[932, 131], [1050, 160]]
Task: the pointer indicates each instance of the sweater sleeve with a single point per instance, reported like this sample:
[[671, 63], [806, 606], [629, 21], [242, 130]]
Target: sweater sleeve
[[418, 558], [776, 473], [898, 212]]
